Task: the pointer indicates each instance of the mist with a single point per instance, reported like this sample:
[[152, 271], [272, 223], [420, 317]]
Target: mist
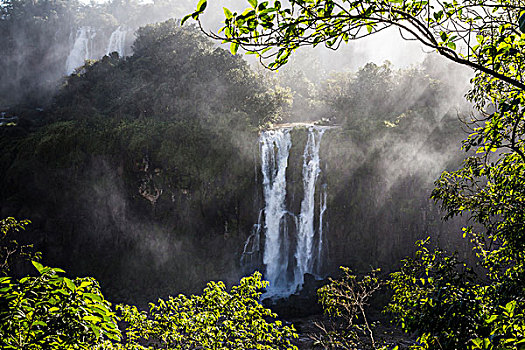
[[144, 155]]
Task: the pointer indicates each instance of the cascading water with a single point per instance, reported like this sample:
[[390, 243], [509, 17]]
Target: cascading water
[[275, 149], [81, 49], [305, 237], [322, 210], [117, 42], [252, 246], [285, 232]]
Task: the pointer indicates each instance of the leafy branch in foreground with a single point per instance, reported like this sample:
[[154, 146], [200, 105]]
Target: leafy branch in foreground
[[10, 249], [345, 301], [442, 301], [462, 31], [217, 319], [50, 311], [435, 296]]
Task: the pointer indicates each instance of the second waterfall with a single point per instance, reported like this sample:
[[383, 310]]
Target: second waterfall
[[292, 242]]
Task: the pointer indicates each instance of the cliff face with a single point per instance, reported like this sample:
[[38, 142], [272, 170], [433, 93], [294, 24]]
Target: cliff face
[[377, 192], [148, 225], [133, 225]]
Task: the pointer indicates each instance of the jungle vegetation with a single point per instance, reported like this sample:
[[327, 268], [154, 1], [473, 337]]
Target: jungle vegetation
[[113, 156], [449, 305]]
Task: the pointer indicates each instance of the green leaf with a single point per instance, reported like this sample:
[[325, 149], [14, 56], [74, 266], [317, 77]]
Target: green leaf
[[492, 318], [85, 284], [227, 13], [201, 6], [451, 45], [93, 296], [253, 3], [91, 318], [69, 284], [233, 48], [477, 343], [39, 323], [38, 266], [186, 18], [95, 330]]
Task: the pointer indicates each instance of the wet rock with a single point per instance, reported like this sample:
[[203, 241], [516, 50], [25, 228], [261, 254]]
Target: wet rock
[[301, 304]]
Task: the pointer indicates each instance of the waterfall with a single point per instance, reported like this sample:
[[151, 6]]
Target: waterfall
[[305, 237], [322, 210], [285, 232], [252, 246], [275, 149], [117, 42], [81, 49]]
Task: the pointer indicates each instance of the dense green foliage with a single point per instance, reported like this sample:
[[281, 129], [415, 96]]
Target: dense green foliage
[[433, 294], [450, 307], [217, 319], [381, 96], [175, 74], [53, 312]]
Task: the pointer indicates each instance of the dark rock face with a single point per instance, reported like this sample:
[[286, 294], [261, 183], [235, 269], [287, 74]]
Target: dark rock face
[[145, 230], [301, 304]]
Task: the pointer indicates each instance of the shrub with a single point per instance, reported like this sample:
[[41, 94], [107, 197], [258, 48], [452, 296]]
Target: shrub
[[217, 319], [345, 301], [50, 311], [10, 250]]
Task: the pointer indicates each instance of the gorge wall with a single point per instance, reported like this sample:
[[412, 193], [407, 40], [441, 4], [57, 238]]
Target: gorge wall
[[143, 236], [331, 200]]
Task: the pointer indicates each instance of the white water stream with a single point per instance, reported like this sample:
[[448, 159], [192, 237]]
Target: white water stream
[[81, 50], [292, 244], [275, 149], [305, 237], [117, 42], [83, 47]]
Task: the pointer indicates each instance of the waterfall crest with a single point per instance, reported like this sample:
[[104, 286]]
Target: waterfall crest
[[292, 243]]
